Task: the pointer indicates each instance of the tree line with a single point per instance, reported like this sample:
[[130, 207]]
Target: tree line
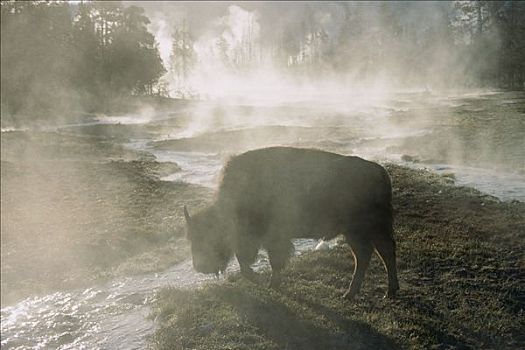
[[56, 56], [59, 56], [448, 44]]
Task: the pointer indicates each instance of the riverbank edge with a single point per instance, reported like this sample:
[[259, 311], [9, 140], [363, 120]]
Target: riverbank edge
[[146, 245], [462, 275]]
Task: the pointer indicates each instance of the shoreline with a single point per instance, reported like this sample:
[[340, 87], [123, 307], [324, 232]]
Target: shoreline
[[511, 183], [461, 274], [128, 267], [443, 231]]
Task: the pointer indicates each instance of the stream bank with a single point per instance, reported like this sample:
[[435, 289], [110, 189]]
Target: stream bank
[[461, 270]]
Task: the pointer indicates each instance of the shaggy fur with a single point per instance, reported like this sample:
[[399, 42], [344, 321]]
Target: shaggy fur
[[269, 196]]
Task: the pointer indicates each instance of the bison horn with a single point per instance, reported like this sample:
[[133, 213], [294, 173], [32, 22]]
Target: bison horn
[[187, 215]]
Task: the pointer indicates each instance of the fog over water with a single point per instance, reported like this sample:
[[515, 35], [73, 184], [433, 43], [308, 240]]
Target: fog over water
[[369, 129], [108, 316], [314, 91], [428, 85]]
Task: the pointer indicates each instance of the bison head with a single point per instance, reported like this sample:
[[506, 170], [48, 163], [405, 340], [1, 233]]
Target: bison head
[[210, 246]]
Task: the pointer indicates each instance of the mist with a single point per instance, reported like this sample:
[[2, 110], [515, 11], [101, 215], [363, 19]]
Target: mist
[[339, 58], [271, 49], [117, 114], [95, 56]]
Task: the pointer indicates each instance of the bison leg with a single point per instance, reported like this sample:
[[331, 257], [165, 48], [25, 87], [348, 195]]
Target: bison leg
[[246, 252], [386, 249], [362, 251], [278, 253]]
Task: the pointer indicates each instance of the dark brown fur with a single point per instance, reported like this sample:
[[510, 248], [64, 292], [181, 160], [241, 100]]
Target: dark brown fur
[[269, 196]]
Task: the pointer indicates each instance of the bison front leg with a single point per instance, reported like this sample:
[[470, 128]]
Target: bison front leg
[[278, 252], [246, 252], [362, 254]]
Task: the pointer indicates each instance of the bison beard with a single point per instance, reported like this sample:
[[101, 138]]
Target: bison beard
[[271, 195]]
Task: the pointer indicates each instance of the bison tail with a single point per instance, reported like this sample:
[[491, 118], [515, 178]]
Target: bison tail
[[385, 201]]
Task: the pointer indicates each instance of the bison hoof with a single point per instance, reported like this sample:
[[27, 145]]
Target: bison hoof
[[391, 294]]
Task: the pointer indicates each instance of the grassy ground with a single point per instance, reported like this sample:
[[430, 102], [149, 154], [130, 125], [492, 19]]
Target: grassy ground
[[78, 209], [462, 275]]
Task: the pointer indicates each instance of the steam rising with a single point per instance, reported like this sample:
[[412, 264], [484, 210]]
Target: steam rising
[[102, 145], [271, 49]]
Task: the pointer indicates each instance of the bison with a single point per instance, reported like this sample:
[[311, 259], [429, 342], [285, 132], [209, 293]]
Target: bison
[[271, 195]]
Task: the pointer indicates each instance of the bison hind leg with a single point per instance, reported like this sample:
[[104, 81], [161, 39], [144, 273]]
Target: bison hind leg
[[362, 251], [279, 253], [386, 249]]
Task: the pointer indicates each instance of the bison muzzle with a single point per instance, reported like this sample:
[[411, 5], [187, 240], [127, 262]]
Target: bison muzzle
[[271, 195]]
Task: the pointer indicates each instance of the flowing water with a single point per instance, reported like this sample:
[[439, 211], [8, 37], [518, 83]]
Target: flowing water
[[200, 138], [107, 316]]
